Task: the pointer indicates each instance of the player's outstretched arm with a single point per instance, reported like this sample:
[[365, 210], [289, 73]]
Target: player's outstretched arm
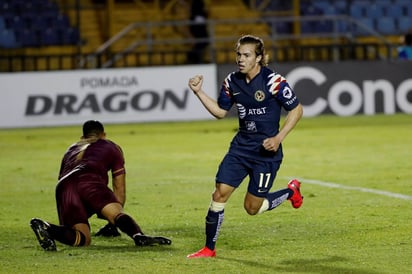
[[195, 84]]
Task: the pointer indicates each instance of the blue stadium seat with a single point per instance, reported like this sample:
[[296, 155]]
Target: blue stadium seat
[[394, 11], [8, 39], [386, 25], [17, 22], [404, 24], [408, 8], [307, 27], [311, 10], [341, 5], [49, 37], [51, 7], [4, 7], [331, 10], [39, 2], [369, 23], [322, 5], [16, 6], [401, 2], [380, 2], [375, 11], [60, 21], [37, 22], [343, 26], [324, 26], [28, 38], [2, 23], [27, 6], [282, 27], [358, 10], [70, 36]]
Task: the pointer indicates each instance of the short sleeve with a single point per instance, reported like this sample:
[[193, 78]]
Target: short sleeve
[[225, 100]]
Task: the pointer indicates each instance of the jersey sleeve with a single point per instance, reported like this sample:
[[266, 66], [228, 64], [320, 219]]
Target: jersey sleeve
[[279, 88], [225, 100]]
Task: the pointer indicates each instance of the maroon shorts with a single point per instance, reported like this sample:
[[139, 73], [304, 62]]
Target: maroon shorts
[[79, 197]]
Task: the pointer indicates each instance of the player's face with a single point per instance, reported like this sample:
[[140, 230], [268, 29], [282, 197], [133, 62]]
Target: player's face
[[246, 58]]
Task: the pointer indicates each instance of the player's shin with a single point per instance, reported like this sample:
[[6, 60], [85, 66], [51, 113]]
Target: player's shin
[[214, 220], [126, 224], [274, 199], [67, 235]]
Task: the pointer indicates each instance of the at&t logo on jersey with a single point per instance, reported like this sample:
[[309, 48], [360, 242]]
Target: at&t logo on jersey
[[242, 111]]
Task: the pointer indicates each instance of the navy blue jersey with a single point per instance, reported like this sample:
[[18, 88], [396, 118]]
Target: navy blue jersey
[[259, 104]]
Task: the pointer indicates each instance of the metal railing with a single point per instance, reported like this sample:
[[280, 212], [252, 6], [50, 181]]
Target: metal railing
[[334, 44]]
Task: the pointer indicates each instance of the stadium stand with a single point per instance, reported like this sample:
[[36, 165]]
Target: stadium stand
[[8, 39], [388, 17], [34, 23], [140, 32], [404, 24]]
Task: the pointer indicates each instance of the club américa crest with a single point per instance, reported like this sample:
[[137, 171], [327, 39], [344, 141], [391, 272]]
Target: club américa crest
[[259, 95]]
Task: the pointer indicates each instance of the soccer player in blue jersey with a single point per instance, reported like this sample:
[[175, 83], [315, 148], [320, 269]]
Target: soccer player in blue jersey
[[255, 151]]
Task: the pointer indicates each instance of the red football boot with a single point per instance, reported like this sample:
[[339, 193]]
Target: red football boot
[[297, 198], [203, 253]]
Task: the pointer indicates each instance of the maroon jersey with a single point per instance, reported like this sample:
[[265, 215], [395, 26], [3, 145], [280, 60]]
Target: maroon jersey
[[83, 180], [92, 159]]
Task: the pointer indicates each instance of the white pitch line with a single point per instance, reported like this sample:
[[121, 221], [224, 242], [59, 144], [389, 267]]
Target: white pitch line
[[362, 189]]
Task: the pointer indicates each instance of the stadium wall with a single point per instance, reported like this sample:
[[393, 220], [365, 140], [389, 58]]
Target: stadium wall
[[35, 99], [347, 88]]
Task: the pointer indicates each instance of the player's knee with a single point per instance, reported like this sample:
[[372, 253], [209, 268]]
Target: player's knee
[[252, 207], [111, 211], [81, 240], [82, 236], [252, 204], [217, 207], [251, 210], [88, 241]]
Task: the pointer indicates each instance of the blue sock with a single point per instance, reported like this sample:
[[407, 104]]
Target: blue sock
[[278, 197], [214, 221]]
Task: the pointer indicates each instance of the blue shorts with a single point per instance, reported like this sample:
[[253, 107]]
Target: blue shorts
[[233, 169]]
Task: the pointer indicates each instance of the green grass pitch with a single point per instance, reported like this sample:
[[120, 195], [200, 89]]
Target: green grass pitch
[[351, 220]]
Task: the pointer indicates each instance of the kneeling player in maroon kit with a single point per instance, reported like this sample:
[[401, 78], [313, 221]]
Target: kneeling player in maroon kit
[[82, 191]]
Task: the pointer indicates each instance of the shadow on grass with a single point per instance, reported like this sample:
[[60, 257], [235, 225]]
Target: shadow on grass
[[112, 245], [115, 249], [323, 265]]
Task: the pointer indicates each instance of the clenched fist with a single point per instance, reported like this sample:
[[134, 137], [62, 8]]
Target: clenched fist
[[195, 83]]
